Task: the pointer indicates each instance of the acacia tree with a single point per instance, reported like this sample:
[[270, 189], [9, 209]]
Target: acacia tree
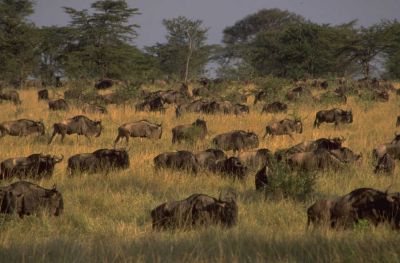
[[100, 42], [185, 54], [18, 41]]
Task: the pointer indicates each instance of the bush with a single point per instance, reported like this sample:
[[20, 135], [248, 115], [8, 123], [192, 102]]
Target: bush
[[287, 184]]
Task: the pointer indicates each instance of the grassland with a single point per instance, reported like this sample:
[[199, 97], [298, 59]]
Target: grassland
[[106, 217]]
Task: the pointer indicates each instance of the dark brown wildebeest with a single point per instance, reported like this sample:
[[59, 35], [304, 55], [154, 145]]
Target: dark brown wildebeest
[[316, 160], [256, 158], [283, 127], [333, 115], [22, 127], [386, 164], [43, 94], [151, 104], [25, 198], [297, 93], [94, 109], [80, 125], [206, 159], [231, 167], [194, 211], [190, 132], [261, 179], [366, 204], [141, 129], [319, 213], [236, 141], [180, 160], [310, 146], [35, 165], [104, 84], [103, 160], [59, 104], [194, 106], [11, 95], [260, 96], [274, 107]]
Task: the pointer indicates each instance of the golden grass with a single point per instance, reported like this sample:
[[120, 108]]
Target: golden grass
[[106, 217]]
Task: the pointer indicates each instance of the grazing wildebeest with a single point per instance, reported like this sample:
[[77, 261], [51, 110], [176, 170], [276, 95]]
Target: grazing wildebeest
[[366, 204], [386, 164], [259, 96], [297, 93], [207, 159], [191, 132], [261, 179], [319, 213], [43, 94], [194, 211], [11, 95], [231, 167], [274, 107], [316, 160], [236, 141], [333, 115], [284, 127], [256, 158], [103, 160], [180, 160], [310, 146], [22, 127], [151, 104], [194, 106], [104, 84], [35, 165], [80, 125], [25, 198], [96, 109], [142, 129], [59, 104]]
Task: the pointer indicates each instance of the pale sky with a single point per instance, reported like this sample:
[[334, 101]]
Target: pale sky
[[217, 14]]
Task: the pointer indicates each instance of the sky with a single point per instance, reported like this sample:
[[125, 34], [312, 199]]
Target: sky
[[218, 14]]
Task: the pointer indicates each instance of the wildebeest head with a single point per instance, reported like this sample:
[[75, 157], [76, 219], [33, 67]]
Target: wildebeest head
[[200, 123], [347, 116], [228, 209], [386, 164], [99, 127], [55, 201]]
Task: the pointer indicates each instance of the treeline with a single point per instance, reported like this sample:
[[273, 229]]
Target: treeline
[[100, 43]]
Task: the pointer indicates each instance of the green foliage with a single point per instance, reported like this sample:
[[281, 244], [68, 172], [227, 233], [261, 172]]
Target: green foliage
[[285, 183], [99, 42], [18, 41], [185, 54], [273, 86]]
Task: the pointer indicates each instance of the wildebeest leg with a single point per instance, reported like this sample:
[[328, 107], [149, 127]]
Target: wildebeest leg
[[117, 140], [62, 137], [52, 136]]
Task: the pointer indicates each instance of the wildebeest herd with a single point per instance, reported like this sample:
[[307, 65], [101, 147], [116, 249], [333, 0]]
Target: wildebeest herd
[[323, 154]]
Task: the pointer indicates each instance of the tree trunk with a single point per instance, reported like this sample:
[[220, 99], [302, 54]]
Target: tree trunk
[[188, 57]]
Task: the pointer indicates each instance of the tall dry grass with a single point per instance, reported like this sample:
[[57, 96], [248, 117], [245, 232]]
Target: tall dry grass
[[106, 217]]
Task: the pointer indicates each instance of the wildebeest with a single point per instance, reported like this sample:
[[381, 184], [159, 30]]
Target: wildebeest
[[284, 127], [22, 127], [297, 93], [366, 204], [196, 210], [310, 146], [180, 160], [259, 96], [194, 106], [142, 129], [319, 213], [274, 107], [231, 167], [191, 132], [43, 94], [151, 104], [315, 160], [25, 198], [392, 148], [103, 160], [381, 95], [345, 155], [96, 109], [59, 104], [236, 141], [398, 121], [207, 159], [80, 125], [35, 165], [104, 84], [11, 95], [333, 115], [256, 158], [261, 178], [386, 164]]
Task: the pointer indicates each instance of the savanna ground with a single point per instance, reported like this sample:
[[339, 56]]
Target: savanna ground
[[107, 217]]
